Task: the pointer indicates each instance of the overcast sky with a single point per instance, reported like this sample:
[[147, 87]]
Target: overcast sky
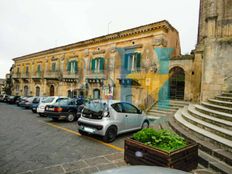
[[28, 26]]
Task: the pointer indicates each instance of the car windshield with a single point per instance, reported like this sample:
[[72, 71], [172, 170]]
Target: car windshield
[[36, 100], [96, 106], [48, 100]]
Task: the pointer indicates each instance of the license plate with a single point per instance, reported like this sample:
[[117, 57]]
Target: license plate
[[50, 109], [90, 130]]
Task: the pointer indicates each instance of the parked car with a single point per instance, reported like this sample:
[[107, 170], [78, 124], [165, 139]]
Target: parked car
[[35, 103], [48, 101], [12, 99], [23, 101], [4, 98], [66, 109], [28, 102], [19, 100], [111, 118]]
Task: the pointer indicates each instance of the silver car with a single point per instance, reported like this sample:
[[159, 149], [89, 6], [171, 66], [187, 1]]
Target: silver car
[[111, 118]]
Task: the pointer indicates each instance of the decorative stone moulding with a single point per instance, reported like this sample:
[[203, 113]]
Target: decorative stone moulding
[[160, 42], [98, 52], [86, 52], [134, 46]]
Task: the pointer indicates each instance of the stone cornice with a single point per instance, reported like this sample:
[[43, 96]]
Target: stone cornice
[[165, 25]]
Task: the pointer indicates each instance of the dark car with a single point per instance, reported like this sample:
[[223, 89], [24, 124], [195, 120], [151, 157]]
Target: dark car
[[66, 109], [12, 99], [22, 101], [35, 103], [28, 102]]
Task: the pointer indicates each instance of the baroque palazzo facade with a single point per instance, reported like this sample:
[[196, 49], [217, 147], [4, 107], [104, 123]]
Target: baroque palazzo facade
[[119, 66]]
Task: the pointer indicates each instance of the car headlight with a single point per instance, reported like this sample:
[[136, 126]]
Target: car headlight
[[106, 114], [41, 107]]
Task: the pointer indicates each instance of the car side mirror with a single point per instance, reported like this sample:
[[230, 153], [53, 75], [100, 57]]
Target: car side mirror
[[140, 111]]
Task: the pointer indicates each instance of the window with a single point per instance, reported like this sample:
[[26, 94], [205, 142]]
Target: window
[[98, 64], [53, 67], [72, 66], [18, 70], [117, 107], [132, 62], [38, 68], [128, 108], [27, 69]]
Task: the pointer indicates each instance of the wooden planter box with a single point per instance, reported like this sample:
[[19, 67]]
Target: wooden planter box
[[185, 159]]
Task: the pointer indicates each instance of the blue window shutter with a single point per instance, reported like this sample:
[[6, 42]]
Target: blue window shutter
[[93, 64], [126, 62], [102, 63], [69, 66], [138, 60], [76, 66]]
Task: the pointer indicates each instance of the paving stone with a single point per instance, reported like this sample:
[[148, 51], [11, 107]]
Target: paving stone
[[74, 172], [75, 165], [89, 170], [120, 163], [27, 172], [96, 161], [49, 170], [106, 166], [115, 156]]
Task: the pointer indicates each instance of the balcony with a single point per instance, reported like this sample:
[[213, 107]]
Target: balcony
[[52, 75], [25, 75], [96, 74], [70, 75], [37, 75], [16, 75]]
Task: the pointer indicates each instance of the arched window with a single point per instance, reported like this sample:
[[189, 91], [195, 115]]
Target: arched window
[[26, 91], [37, 91], [52, 90]]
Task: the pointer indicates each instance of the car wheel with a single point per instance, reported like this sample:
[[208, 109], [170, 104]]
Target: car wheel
[[145, 125], [82, 132], [33, 111], [111, 134], [70, 117], [55, 119], [40, 114]]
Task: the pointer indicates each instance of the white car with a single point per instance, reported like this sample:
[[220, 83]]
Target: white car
[[48, 101], [110, 118]]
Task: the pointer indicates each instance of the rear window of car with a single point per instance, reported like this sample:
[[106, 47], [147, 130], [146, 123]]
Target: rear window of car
[[48, 100], [63, 101], [96, 106]]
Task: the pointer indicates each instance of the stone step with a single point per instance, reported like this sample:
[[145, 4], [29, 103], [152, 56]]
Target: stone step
[[220, 102], [213, 163], [218, 114], [182, 102], [227, 94], [210, 119], [163, 112], [224, 98], [217, 107], [164, 108], [205, 144], [153, 114], [225, 133], [202, 133]]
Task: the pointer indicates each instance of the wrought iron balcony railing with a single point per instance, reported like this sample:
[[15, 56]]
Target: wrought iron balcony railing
[[96, 74], [37, 75], [25, 75], [52, 74], [71, 75], [16, 75]]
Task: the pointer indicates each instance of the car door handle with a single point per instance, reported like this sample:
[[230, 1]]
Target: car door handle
[[126, 115]]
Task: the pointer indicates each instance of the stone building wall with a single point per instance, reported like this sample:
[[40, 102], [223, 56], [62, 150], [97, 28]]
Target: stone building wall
[[214, 46]]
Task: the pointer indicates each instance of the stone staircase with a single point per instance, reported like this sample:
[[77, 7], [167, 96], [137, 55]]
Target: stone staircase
[[166, 108], [210, 125]]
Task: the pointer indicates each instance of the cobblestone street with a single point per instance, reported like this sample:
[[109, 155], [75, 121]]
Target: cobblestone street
[[32, 144]]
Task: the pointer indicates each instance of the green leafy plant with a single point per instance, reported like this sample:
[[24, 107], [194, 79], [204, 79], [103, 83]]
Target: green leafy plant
[[161, 139]]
